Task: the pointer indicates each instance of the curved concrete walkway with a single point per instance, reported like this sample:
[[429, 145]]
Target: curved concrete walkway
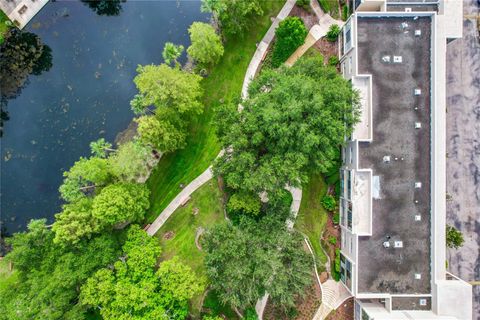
[[250, 74]]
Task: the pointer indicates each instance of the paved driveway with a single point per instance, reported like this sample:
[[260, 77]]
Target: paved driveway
[[463, 147]]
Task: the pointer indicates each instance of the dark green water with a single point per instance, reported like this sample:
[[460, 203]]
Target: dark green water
[[84, 96]]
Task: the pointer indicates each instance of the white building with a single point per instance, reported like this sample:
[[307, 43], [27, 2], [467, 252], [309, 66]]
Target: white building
[[20, 12], [394, 165]]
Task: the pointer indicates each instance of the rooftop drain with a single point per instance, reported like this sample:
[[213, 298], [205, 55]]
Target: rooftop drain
[[418, 91], [418, 125], [416, 201], [397, 59], [418, 185], [418, 217], [418, 276]]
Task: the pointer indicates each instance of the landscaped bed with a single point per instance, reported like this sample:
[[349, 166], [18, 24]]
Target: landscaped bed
[[305, 307], [224, 83], [344, 312]]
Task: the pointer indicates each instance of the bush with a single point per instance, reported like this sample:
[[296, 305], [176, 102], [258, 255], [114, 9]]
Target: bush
[[305, 4], [324, 5], [332, 240], [336, 269], [250, 314], [345, 13], [454, 238], [329, 202], [290, 35], [333, 61], [333, 33], [336, 218]]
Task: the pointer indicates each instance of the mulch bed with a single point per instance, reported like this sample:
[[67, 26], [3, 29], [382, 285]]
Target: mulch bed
[[326, 48], [344, 312], [308, 17], [305, 307]]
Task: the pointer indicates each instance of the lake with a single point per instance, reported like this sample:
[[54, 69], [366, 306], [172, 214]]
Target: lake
[[84, 96]]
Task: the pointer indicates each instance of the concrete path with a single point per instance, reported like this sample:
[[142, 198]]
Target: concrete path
[[262, 47], [463, 145], [179, 199]]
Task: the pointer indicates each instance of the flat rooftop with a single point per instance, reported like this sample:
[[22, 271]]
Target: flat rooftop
[[396, 110]]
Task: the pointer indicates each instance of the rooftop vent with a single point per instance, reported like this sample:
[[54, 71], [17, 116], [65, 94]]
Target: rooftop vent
[[418, 217], [415, 108], [418, 185], [416, 201], [398, 244], [397, 59], [418, 276], [423, 302], [386, 159], [386, 244], [404, 25], [418, 33], [418, 125], [408, 9], [386, 58], [418, 91]]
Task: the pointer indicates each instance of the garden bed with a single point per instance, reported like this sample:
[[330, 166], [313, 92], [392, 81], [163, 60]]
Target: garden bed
[[305, 307], [308, 16], [326, 48], [344, 312]]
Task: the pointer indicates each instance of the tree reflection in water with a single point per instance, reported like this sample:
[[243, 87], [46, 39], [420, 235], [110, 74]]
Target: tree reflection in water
[[105, 7]]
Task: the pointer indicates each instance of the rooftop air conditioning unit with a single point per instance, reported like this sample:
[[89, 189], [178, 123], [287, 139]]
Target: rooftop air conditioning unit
[[418, 125]]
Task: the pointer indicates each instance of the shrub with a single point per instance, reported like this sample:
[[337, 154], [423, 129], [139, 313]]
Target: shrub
[[324, 5], [305, 4], [333, 32], [336, 269], [336, 218], [329, 202], [345, 13], [250, 314], [454, 238], [290, 35], [333, 61], [332, 240]]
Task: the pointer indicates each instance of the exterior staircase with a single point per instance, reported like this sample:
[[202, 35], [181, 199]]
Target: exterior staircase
[[333, 295]]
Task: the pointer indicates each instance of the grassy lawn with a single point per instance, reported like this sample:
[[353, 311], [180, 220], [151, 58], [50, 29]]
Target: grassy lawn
[[224, 82], [184, 225], [3, 26], [312, 217], [208, 200]]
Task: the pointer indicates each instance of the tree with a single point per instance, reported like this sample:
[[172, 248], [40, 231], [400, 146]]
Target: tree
[[454, 238], [246, 261], [120, 203], [206, 48], [130, 162], [100, 147], [294, 120], [160, 134], [133, 290], [290, 35], [47, 276], [169, 88], [244, 203], [333, 33], [171, 53], [85, 177], [75, 222], [234, 16]]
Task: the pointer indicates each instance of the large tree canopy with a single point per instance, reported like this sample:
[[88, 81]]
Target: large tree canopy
[[130, 162], [47, 277], [85, 177], [170, 88], [294, 119], [121, 203], [234, 16], [244, 262], [160, 134], [132, 289], [206, 48]]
